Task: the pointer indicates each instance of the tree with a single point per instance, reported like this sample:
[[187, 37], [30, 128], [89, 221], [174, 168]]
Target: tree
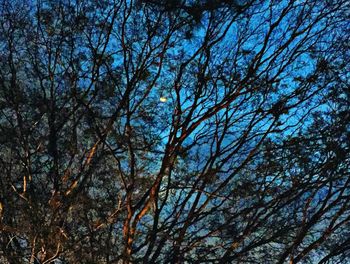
[[174, 132]]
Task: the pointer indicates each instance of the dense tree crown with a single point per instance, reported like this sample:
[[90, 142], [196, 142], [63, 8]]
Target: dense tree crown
[[189, 131]]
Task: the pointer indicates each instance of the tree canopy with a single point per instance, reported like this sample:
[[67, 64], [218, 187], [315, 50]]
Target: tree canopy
[[144, 131]]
